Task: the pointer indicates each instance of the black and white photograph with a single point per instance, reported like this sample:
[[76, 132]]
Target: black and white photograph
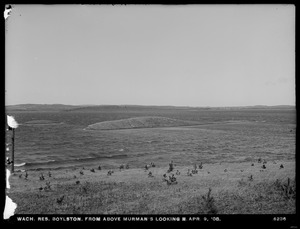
[[154, 112]]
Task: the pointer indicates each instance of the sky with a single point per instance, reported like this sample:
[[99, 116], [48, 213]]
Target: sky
[[179, 55]]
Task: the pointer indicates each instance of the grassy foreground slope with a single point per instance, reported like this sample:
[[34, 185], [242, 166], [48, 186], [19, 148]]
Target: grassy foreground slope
[[132, 191]]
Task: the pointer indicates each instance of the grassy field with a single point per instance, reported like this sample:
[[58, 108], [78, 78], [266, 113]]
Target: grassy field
[[236, 188]]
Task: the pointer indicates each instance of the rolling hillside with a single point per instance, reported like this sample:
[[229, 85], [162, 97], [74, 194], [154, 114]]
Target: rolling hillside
[[140, 122]]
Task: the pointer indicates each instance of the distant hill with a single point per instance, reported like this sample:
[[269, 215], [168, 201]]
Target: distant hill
[[140, 122], [95, 108], [40, 107], [87, 108], [257, 107]]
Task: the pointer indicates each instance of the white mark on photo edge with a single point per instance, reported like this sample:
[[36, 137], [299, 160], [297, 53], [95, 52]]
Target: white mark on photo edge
[[7, 11], [10, 206]]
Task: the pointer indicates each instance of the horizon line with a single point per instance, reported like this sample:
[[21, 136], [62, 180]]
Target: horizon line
[[51, 104]]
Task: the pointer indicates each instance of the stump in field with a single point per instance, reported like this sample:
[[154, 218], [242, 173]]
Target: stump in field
[[150, 174], [60, 200], [288, 190], [265, 161], [259, 160], [164, 177], [171, 180], [42, 177], [209, 203], [171, 167], [48, 186], [201, 166]]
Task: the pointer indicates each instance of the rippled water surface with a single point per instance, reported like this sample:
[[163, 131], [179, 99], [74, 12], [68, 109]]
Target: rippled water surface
[[58, 139]]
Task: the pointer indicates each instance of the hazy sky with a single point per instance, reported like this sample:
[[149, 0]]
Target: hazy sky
[[189, 55]]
